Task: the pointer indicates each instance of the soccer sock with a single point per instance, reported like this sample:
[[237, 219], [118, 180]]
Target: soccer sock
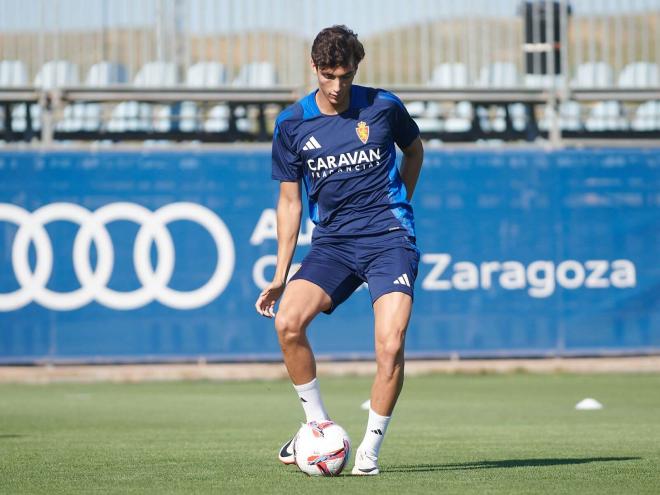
[[310, 398], [373, 437]]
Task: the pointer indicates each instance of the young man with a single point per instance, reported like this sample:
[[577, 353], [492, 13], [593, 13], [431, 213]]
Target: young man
[[340, 141]]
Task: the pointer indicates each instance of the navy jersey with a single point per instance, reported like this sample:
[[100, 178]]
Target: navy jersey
[[348, 162]]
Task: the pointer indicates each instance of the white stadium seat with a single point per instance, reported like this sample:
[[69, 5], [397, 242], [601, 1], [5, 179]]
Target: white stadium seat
[[53, 74], [106, 74], [257, 75], [217, 119], [593, 75], [12, 73], [606, 116], [134, 116], [498, 75], [200, 75], [206, 75], [449, 76], [569, 117], [88, 116], [603, 115], [647, 117], [639, 75], [57, 73]]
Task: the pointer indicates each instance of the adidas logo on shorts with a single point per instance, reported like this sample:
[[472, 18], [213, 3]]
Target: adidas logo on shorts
[[403, 280], [312, 144]]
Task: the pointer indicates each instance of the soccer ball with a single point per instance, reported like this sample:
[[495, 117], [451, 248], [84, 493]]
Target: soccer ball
[[321, 448]]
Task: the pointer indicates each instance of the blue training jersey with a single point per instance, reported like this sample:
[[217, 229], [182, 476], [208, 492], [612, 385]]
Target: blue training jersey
[[348, 162]]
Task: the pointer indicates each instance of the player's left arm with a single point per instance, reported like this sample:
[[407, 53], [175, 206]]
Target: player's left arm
[[413, 156]]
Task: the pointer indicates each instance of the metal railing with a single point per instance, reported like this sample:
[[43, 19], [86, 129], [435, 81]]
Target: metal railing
[[403, 45]]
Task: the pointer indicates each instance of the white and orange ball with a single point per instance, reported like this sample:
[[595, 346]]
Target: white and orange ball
[[321, 448]]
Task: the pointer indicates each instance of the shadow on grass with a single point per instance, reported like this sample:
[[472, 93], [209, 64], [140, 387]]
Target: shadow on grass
[[505, 463], [10, 435]]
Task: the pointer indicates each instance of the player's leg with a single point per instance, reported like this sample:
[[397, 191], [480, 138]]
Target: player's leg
[[391, 270], [301, 302], [391, 313], [322, 283]]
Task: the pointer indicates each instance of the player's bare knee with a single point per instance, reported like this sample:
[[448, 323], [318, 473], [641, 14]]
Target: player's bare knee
[[390, 356], [289, 327]]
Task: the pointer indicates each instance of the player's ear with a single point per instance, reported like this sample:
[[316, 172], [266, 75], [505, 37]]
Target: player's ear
[[314, 68]]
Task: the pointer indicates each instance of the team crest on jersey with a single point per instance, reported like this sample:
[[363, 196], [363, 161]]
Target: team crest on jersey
[[362, 130]]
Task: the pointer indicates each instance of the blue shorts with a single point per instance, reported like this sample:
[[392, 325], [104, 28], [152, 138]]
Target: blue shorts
[[339, 267]]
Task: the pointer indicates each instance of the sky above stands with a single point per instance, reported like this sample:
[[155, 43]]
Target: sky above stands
[[305, 17]]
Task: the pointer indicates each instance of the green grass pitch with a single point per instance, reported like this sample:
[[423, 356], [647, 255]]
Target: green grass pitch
[[515, 433]]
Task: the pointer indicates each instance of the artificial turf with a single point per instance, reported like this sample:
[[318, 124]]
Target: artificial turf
[[515, 433]]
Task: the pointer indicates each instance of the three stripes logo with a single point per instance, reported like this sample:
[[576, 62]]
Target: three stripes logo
[[377, 432], [403, 280], [312, 144]]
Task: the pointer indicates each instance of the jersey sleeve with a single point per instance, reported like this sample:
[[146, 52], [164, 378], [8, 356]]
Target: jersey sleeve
[[286, 164], [404, 128]]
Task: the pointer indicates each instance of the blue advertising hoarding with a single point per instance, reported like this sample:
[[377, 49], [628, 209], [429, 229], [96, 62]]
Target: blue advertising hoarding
[[160, 255]]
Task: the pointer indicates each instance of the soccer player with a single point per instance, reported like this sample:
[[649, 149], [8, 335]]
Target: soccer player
[[340, 141]]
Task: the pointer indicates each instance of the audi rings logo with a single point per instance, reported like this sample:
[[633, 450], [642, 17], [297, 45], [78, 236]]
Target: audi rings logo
[[93, 282]]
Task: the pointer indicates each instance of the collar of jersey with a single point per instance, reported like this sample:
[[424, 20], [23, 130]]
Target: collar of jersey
[[311, 108]]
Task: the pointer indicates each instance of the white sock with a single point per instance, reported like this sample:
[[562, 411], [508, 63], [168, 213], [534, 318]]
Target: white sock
[[310, 398], [373, 437]]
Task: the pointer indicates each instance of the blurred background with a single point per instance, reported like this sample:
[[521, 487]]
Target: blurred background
[[136, 206]]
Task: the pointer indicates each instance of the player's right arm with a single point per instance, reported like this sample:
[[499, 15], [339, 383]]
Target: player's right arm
[[289, 212], [287, 169]]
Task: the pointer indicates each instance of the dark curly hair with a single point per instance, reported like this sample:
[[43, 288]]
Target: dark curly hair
[[337, 46]]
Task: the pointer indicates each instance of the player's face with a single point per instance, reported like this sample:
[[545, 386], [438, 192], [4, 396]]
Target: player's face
[[335, 85]]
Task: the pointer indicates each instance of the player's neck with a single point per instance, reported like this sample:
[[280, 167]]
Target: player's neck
[[328, 108]]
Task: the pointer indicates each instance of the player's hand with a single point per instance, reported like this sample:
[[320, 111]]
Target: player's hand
[[265, 304]]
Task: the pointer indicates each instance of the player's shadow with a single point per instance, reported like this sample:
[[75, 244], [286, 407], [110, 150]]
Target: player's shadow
[[3, 436], [505, 463]]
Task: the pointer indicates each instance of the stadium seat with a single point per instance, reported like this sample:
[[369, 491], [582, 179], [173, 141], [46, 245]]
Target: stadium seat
[[543, 81], [603, 115], [12, 73], [569, 117], [449, 76], [217, 119], [460, 120], [639, 75], [459, 117], [57, 73], [606, 116], [134, 116], [53, 74], [88, 116], [106, 74], [647, 117], [199, 75], [256, 75], [498, 75], [593, 75]]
